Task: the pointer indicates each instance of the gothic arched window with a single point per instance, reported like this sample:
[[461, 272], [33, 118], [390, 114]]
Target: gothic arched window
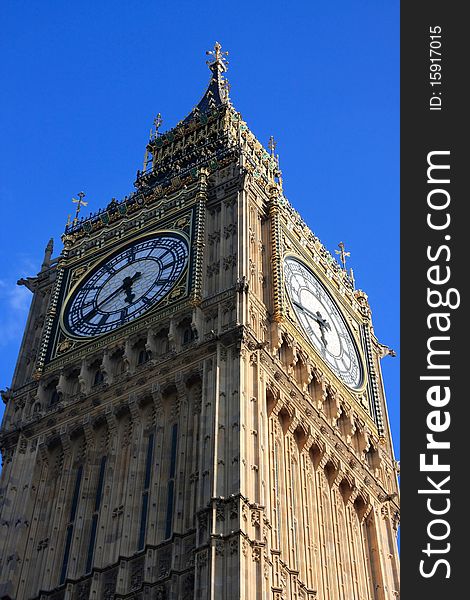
[[187, 335], [55, 397], [143, 357], [171, 482], [145, 493], [99, 377], [96, 511]]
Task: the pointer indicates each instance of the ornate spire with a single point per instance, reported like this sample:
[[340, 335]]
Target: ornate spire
[[218, 88]]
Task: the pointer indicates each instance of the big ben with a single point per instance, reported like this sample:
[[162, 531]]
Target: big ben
[[197, 410]]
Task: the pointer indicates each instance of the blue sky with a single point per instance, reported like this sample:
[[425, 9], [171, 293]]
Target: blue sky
[[82, 83]]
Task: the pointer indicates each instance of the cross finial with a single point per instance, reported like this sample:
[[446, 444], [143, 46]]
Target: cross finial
[[272, 145], [79, 202], [342, 254], [217, 59], [157, 122]]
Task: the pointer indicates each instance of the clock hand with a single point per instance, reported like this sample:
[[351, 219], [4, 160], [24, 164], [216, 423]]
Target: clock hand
[[313, 315], [125, 287], [322, 323]]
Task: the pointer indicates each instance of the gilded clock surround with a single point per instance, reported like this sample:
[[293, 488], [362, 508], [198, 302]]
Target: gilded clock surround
[[76, 271], [178, 289], [203, 450]]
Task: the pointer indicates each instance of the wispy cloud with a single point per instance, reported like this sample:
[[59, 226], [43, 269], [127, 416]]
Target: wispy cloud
[[14, 305]]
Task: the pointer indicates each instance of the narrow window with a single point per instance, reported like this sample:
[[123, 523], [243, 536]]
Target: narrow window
[[94, 518], [294, 508], [99, 377], [145, 493], [277, 499], [171, 482], [55, 397], [69, 529], [143, 357]]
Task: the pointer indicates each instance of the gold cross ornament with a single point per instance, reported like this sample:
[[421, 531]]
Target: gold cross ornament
[[342, 254], [79, 202]]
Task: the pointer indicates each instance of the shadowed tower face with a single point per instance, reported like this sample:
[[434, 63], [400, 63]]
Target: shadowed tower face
[[197, 410]]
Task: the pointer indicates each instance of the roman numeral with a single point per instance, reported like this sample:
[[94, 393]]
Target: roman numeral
[[130, 254], [90, 315], [109, 269], [170, 264], [103, 320]]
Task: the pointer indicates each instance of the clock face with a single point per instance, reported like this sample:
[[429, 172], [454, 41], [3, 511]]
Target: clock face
[[322, 322], [126, 284]]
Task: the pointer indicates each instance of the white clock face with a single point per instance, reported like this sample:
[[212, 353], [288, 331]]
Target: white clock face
[[322, 321], [126, 284]]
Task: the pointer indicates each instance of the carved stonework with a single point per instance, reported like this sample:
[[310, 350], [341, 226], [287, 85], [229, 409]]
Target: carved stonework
[[220, 510], [233, 508], [201, 559], [256, 517], [219, 548], [109, 585], [233, 546], [164, 566], [83, 590], [137, 574]]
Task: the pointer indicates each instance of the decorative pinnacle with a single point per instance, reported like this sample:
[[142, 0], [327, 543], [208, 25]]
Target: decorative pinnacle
[[217, 60], [272, 145], [342, 254], [157, 123], [47, 255]]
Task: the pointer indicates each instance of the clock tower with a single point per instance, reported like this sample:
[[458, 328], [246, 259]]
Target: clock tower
[[197, 410]]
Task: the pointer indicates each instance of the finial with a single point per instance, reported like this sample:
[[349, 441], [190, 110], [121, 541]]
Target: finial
[[277, 172], [79, 202], [226, 88], [351, 277], [47, 255], [342, 254], [218, 60], [272, 145], [157, 123]]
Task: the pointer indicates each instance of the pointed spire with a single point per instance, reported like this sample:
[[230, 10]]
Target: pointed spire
[[47, 255], [218, 88]]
